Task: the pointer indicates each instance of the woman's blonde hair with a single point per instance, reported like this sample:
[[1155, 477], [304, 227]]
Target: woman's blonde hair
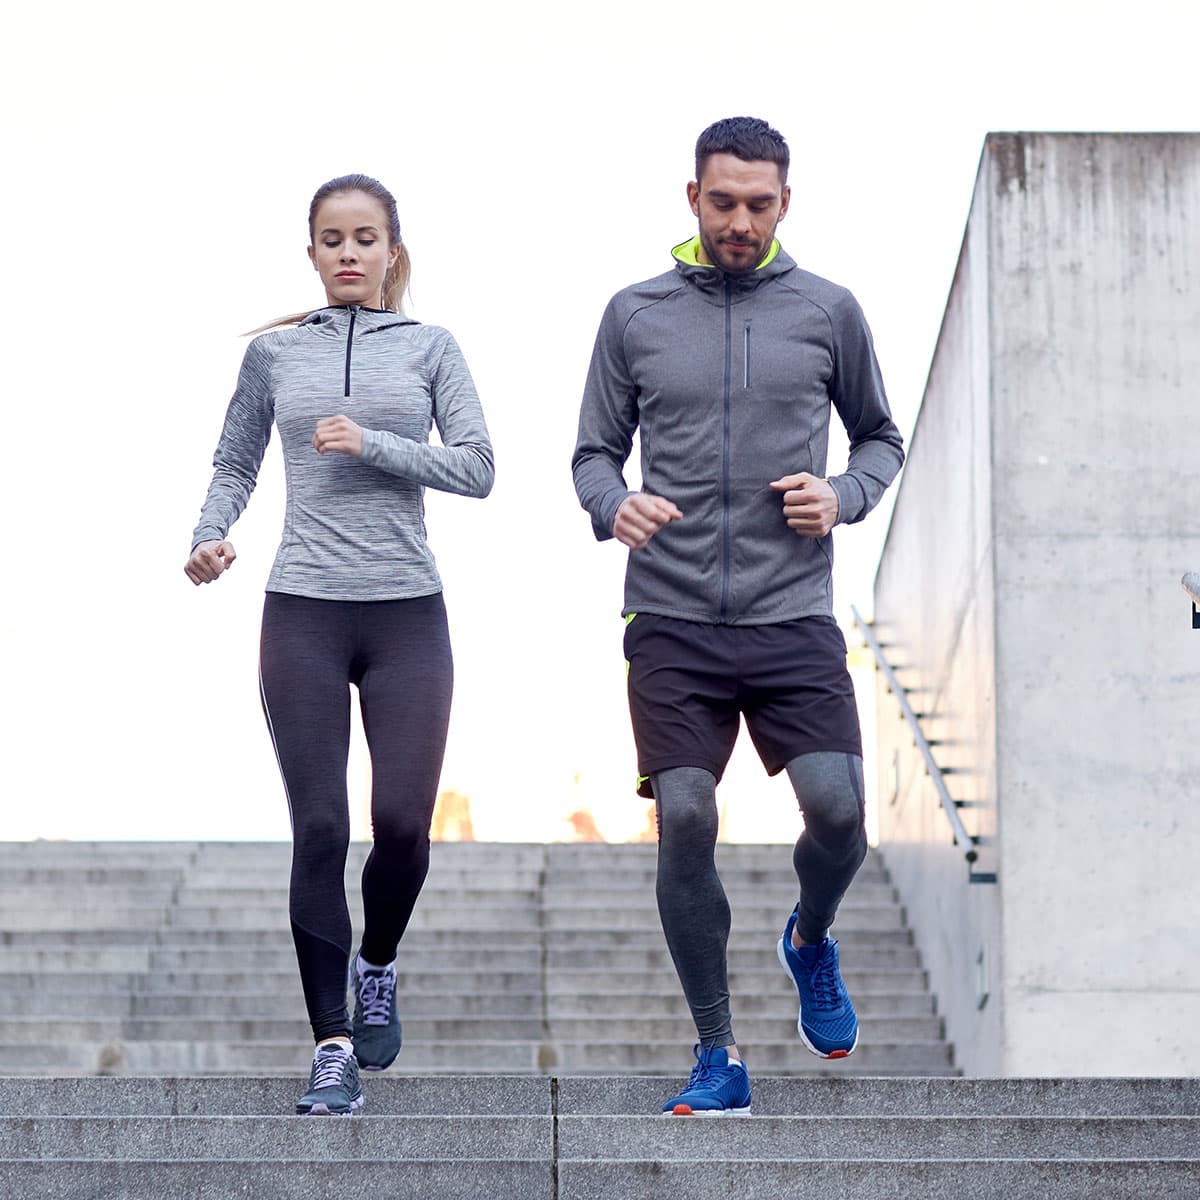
[[395, 283]]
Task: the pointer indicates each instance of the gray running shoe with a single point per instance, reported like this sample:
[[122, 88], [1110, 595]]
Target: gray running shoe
[[333, 1086], [376, 1021]]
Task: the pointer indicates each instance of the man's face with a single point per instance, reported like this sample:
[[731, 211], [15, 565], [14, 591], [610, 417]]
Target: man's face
[[738, 204]]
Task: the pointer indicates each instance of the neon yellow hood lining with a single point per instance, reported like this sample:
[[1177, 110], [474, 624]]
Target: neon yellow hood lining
[[689, 252]]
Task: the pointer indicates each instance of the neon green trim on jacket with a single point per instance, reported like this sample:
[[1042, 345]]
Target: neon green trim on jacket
[[689, 253]]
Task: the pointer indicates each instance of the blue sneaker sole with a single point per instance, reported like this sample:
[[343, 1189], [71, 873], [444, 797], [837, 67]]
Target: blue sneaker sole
[[838, 1051], [706, 1112]]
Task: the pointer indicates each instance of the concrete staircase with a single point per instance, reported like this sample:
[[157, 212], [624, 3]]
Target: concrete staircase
[[583, 1138], [173, 959], [153, 1043]]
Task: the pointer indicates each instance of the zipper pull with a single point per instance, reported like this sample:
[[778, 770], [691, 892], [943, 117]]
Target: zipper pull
[[349, 344]]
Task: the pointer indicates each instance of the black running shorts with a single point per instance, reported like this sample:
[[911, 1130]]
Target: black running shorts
[[689, 683]]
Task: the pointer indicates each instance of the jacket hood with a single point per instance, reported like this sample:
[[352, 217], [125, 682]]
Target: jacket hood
[[712, 280], [335, 318]]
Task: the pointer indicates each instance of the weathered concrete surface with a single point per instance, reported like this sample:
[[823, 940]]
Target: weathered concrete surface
[[1029, 582], [934, 612], [968, 1179], [180, 962], [566, 1136]]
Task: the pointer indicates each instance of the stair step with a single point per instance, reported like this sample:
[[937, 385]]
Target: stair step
[[754, 900], [253, 941], [789, 1056], [323, 1179], [846, 1095], [809, 1179], [281, 1139], [285, 1005], [440, 1029], [512, 1056], [568, 971], [464, 922], [429, 1095], [573, 1180], [477, 996], [606, 1095], [745, 983], [867, 952], [888, 1138], [18, 985], [488, 1136], [249, 941], [565, 857]]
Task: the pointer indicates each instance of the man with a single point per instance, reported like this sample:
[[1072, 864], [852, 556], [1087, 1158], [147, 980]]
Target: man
[[729, 365]]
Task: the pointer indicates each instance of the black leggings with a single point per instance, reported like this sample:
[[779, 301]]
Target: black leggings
[[397, 652], [691, 901]]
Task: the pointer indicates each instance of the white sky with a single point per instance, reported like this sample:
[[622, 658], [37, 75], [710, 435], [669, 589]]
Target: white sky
[[159, 163]]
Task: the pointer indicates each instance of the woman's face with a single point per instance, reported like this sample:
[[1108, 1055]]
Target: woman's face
[[350, 249]]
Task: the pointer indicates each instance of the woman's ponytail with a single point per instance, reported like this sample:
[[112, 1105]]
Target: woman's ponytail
[[396, 282]]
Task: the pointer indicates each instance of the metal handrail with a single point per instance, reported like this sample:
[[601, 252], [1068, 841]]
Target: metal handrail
[[1191, 585], [961, 836]]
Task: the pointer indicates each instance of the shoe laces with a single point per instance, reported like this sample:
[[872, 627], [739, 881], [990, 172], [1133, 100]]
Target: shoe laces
[[329, 1066], [824, 980], [375, 993], [704, 1072]]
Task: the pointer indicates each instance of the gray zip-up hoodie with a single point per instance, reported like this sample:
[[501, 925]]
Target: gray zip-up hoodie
[[354, 528], [729, 380]]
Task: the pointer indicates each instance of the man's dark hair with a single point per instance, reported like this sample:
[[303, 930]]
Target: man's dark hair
[[746, 138]]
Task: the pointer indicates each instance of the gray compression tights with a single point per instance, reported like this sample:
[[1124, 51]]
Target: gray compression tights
[[691, 900]]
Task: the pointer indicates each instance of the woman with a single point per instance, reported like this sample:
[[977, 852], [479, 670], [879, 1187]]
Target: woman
[[353, 598]]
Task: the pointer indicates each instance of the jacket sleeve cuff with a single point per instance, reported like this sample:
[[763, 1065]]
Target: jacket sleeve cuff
[[206, 535], [852, 500], [602, 522]]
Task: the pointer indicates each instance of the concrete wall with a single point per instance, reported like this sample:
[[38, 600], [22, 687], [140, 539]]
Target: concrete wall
[[934, 610], [1030, 583]]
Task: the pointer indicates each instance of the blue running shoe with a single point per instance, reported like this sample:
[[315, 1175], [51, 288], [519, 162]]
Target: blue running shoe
[[376, 1028], [827, 1023], [716, 1087], [333, 1086]]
